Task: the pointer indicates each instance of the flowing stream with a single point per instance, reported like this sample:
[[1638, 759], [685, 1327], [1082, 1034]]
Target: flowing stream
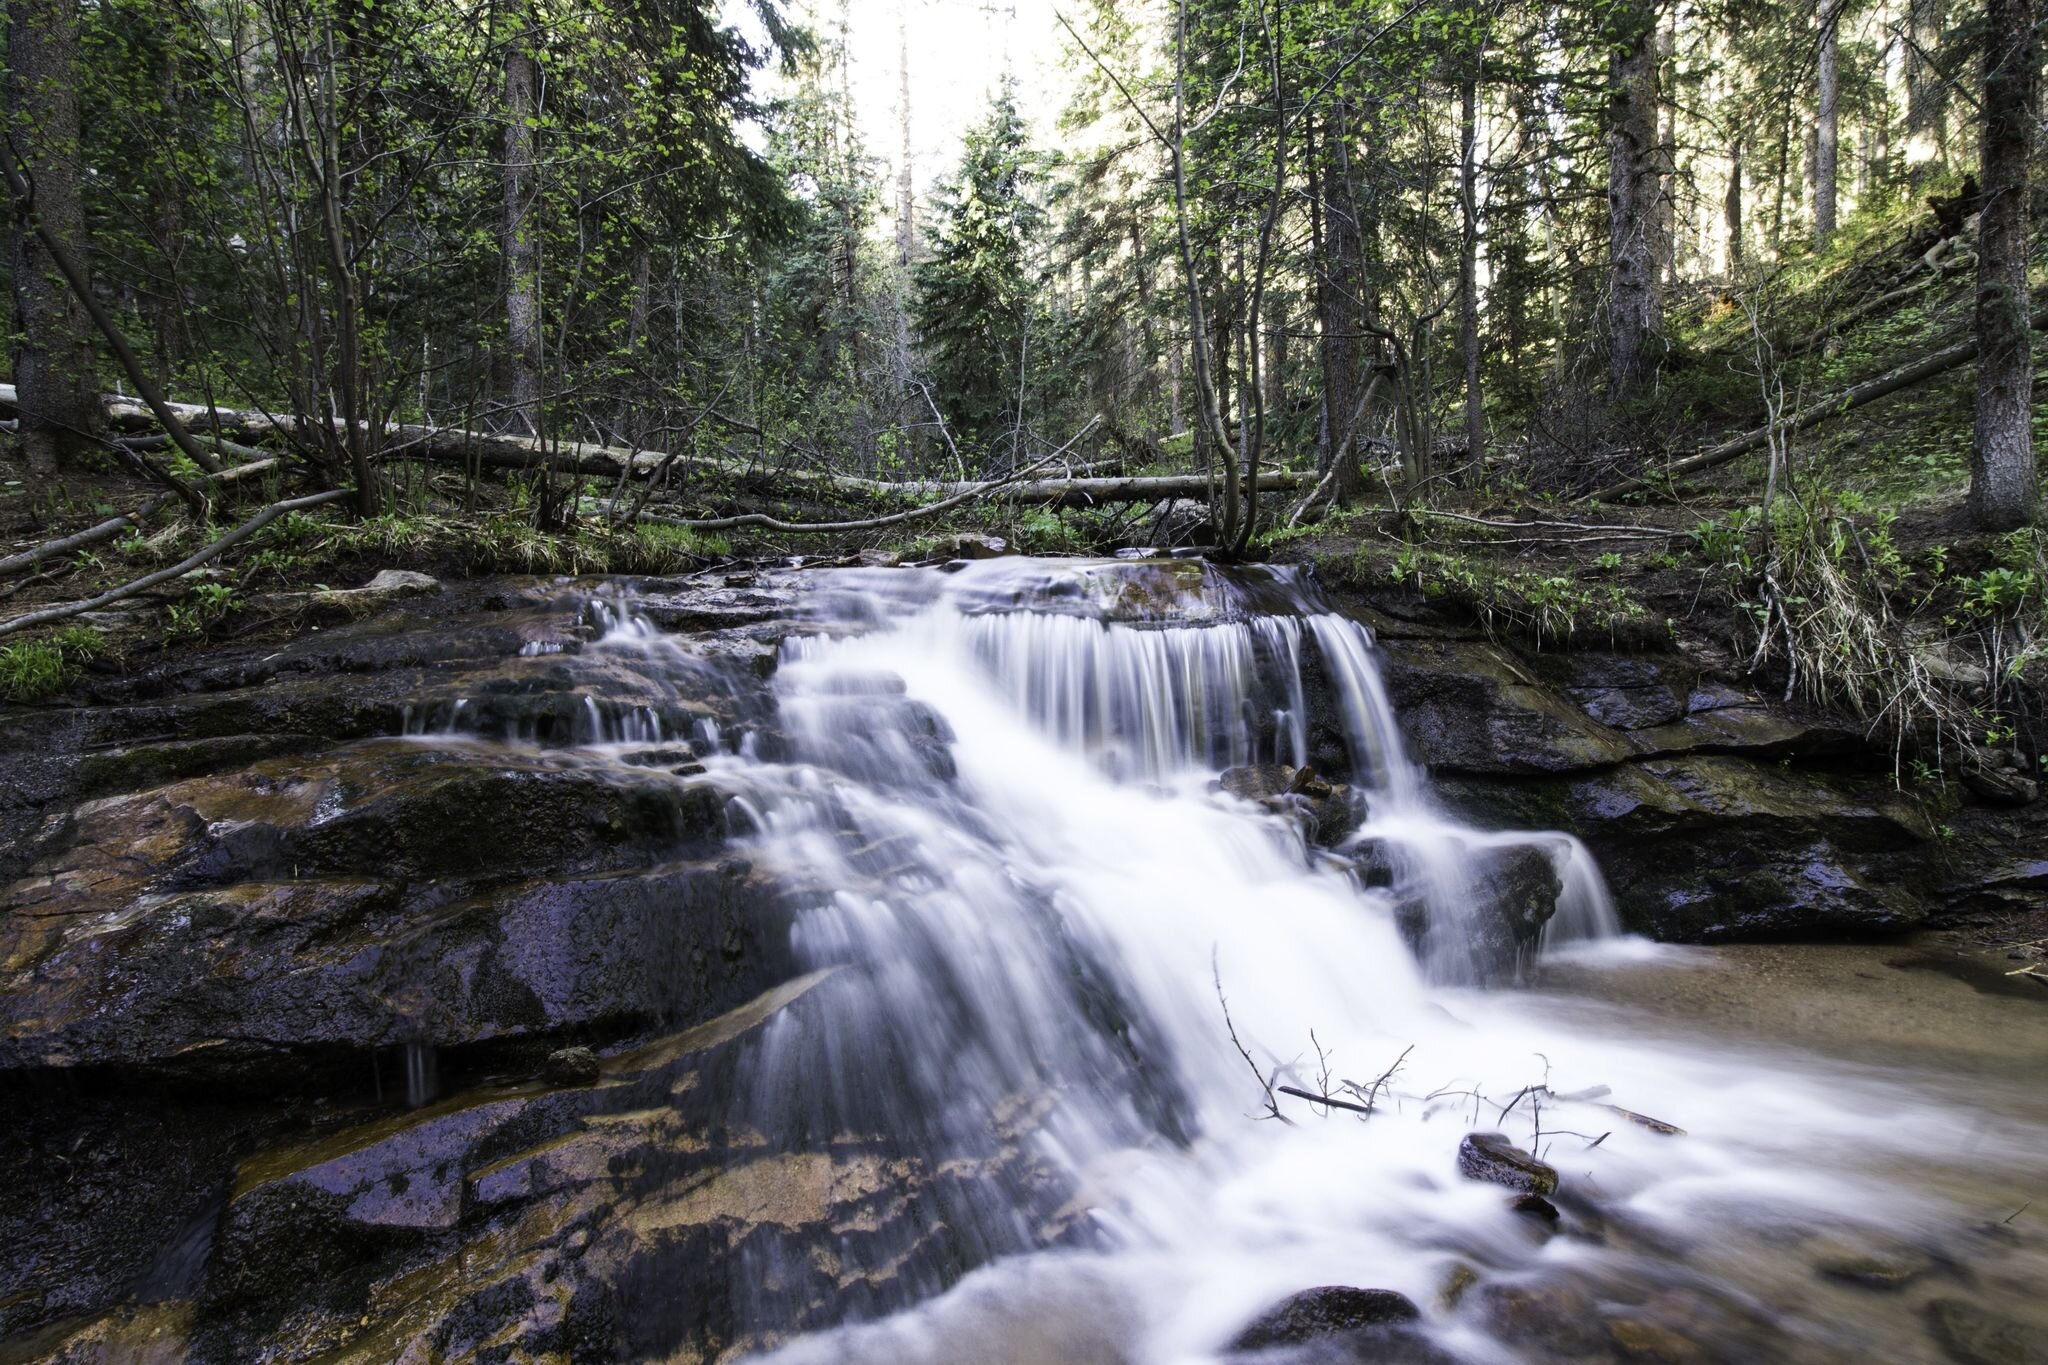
[[994, 793]]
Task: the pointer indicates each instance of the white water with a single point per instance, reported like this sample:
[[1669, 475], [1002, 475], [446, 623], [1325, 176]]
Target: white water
[[1005, 809]]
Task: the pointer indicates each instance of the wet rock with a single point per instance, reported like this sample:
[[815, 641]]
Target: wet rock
[[1715, 848], [2001, 787], [1970, 1335], [1511, 892], [1468, 707], [268, 977], [1642, 1338], [1457, 1283], [974, 545], [1536, 1208], [572, 1066], [1493, 1158], [1332, 1310], [1557, 1318], [1870, 1265], [1328, 813]]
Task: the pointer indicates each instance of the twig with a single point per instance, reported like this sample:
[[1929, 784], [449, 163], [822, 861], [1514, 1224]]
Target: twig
[[1330, 1100], [1265, 1081]]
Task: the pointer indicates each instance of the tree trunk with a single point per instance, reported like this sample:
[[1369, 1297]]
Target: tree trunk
[[520, 232], [1468, 269], [1926, 96], [1634, 321], [2004, 483], [1339, 285], [1827, 131], [1731, 207], [53, 350]]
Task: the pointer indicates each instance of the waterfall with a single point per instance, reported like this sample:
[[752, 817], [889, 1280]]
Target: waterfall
[[1069, 963]]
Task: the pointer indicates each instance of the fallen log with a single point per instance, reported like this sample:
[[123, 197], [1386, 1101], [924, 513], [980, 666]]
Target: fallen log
[[1869, 391], [464, 446], [180, 569]]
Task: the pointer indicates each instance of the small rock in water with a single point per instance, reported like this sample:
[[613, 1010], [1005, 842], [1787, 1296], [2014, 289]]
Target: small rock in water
[[1537, 1207], [572, 1066], [1873, 1267], [1975, 1336], [402, 583], [1316, 1313], [1461, 1278], [1491, 1157]]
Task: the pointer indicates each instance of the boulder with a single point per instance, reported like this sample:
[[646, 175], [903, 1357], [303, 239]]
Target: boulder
[[1717, 848], [1328, 813], [1493, 1158], [1316, 1314], [1484, 930]]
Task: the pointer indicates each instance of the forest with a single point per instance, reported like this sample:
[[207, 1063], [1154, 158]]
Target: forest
[[1242, 680], [619, 280]]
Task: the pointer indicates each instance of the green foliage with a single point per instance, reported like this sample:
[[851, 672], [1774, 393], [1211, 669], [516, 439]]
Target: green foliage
[[32, 669], [975, 290]]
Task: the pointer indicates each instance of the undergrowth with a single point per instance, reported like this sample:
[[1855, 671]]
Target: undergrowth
[[1945, 660], [43, 666]]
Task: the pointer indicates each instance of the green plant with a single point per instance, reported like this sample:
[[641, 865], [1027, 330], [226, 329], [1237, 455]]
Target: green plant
[[33, 669], [205, 606]]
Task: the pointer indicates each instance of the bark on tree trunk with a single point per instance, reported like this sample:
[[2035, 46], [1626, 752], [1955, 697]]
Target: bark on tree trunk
[[1633, 323], [2004, 483], [1827, 134], [1339, 286], [522, 255], [53, 350], [1731, 207], [1468, 269]]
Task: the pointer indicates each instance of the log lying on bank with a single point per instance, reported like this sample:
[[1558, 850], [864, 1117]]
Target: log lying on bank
[[465, 447], [1869, 391]]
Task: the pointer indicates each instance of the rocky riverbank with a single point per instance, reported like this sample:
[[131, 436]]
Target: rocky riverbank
[[330, 1027]]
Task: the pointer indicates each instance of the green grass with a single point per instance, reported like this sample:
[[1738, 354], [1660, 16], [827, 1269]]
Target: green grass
[[33, 669]]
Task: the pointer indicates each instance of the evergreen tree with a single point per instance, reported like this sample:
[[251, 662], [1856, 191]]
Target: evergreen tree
[[974, 289]]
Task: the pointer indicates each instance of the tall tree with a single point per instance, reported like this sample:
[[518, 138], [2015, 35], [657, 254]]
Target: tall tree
[[1468, 266], [1926, 90], [974, 287], [54, 373], [1826, 126], [2005, 487], [518, 228], [1634, 309]]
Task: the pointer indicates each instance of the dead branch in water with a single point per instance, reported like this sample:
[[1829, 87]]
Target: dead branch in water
[[1265, 1081]]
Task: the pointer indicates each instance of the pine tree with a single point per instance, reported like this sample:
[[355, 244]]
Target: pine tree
[[974, 289]]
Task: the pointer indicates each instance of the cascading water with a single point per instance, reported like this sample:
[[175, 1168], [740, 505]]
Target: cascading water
[[993, 797]]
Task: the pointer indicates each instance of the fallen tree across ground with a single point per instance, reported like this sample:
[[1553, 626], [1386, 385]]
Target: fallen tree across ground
[[1834, 405], [465, 447]]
